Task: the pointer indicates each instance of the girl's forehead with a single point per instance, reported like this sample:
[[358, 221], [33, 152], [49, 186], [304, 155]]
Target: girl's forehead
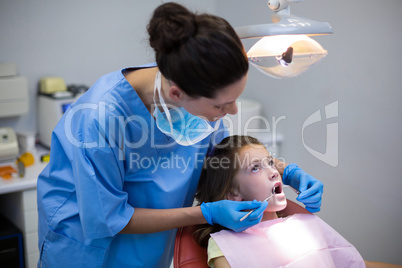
[[253, 151]]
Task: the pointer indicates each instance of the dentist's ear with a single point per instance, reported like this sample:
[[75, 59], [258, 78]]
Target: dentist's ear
[[175, 93]]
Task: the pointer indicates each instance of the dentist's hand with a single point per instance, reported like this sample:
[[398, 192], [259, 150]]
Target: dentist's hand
[[228, 213], [310, 188]]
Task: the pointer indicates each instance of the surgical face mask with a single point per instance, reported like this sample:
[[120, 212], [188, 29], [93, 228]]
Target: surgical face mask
[[186, 129]]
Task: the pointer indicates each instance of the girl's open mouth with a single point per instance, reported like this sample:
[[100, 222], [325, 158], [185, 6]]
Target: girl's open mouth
[[277, 189]]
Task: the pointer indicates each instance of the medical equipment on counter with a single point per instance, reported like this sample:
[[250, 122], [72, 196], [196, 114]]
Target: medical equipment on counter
[[13, 91], [25, 160], [45, 158], [7, 171], [49, 85], [8, 144], [53, 101], [50, 109], [21, 169], [27, 141]]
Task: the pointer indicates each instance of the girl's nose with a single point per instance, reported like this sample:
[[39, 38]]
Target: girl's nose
[[274, 175]]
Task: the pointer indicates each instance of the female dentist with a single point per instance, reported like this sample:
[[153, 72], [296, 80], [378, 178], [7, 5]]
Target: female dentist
[[126, 157]]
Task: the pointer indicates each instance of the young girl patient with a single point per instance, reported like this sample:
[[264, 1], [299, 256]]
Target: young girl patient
[[240, 168]]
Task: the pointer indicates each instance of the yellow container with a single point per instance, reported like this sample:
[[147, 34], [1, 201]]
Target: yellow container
[[27, 159]]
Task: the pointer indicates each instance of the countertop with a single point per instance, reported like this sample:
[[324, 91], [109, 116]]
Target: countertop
[[16, 183]]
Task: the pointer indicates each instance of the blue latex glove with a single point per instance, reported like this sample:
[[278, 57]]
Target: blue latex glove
[[310, 188], [228, 213]]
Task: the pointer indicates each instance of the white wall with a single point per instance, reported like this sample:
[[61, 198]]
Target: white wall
[[362, 71], [82, 40]]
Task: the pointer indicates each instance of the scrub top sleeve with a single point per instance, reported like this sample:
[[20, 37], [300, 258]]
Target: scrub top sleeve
[[102, 203]]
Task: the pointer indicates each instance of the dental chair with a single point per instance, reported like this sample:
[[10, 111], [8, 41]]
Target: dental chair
[[188, 254]]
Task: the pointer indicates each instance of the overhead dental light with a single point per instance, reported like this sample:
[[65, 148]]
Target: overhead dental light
[[285, 50]]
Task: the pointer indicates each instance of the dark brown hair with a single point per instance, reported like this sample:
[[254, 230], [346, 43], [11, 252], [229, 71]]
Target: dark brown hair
[[217, 178], [201, 53]]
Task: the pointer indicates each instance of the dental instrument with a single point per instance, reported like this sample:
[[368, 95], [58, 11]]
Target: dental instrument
[[266, 199]]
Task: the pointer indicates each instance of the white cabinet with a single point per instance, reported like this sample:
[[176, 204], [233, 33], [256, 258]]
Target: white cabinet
[[21, 209], [18, 203], [30, 230]]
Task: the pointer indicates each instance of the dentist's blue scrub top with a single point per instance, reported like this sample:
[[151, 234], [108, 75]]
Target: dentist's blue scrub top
[[107, 157]]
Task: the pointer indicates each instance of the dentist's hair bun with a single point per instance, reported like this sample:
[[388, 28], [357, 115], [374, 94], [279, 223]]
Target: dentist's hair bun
[[200, 53], [170, 26]]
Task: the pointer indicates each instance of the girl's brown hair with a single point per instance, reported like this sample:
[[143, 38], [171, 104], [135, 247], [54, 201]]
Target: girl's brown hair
[[201, 53], [217, 179]]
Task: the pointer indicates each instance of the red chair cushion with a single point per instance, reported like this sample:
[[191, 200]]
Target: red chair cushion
[[187, 253]]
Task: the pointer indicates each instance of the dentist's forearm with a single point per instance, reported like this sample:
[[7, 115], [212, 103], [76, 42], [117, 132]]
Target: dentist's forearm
[[157, 220]]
